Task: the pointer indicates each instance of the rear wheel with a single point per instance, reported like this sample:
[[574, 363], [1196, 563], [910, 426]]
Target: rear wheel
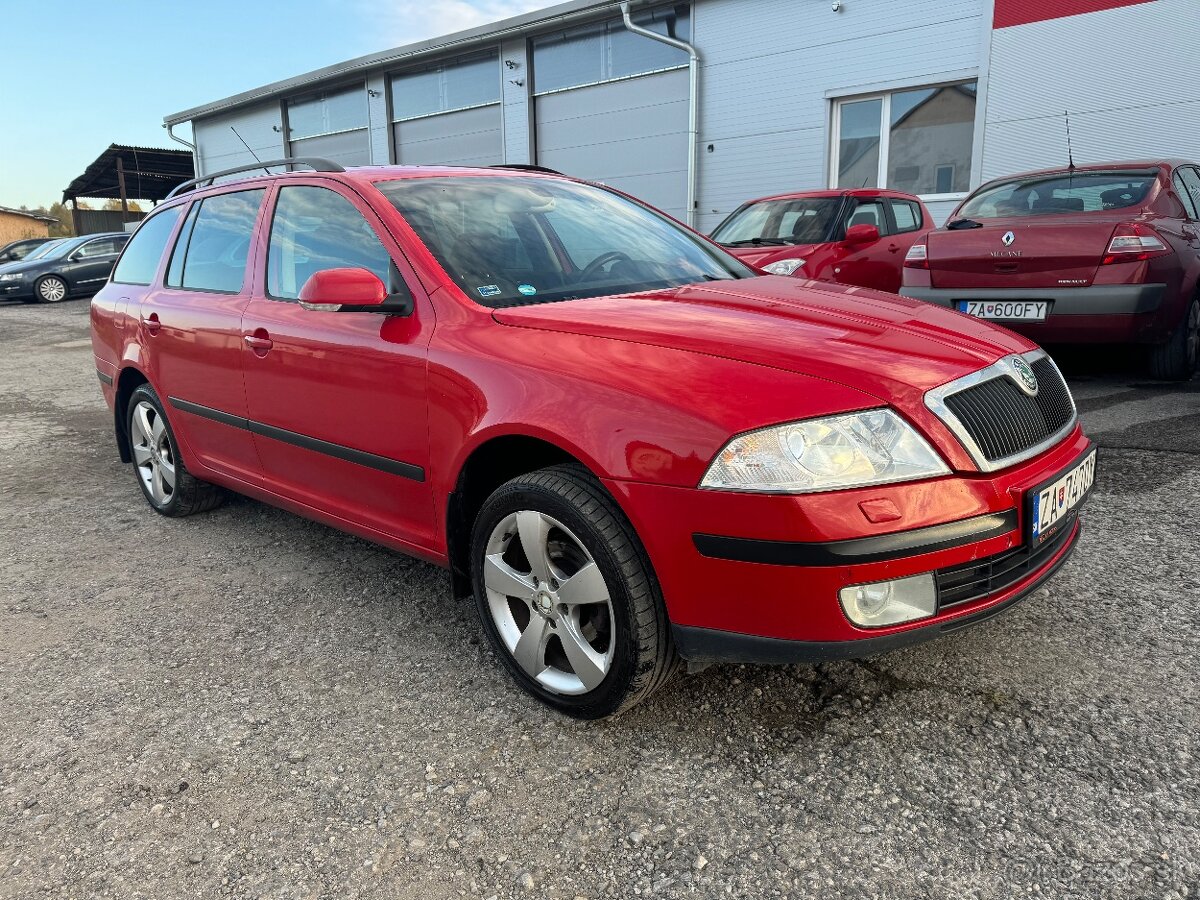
[[1176, 359], [50, 289], [567, 596], [161, 474]]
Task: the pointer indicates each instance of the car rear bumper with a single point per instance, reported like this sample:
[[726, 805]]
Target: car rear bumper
[[1096, 313], [757, 577]]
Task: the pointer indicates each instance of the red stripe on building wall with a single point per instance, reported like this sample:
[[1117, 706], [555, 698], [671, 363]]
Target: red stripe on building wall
[[1022, 12]]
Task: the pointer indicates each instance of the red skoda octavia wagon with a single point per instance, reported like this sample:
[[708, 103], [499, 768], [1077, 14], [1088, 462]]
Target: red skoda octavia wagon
[[627, 446]]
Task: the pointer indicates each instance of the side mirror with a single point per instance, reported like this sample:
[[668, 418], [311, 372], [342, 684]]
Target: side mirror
[[861, 234], [332, 289]]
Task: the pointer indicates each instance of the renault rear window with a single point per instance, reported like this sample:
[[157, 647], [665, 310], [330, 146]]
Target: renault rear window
[[1060, 193]]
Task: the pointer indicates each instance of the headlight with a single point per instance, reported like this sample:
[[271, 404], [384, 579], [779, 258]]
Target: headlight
[[871, 447], [11, 276], [784, 267]]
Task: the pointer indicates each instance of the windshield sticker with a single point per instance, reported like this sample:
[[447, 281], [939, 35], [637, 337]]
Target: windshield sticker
[[489, 290], [527, 289]]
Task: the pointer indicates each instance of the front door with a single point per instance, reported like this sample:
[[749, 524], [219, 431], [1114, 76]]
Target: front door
[[88, 266], [337, 399]]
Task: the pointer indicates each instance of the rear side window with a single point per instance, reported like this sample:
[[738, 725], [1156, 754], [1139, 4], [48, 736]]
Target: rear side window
[[1190, 177], [315, 229], [1060, 193], [214, 244], [907, 215], [102, 247], [139, 263]]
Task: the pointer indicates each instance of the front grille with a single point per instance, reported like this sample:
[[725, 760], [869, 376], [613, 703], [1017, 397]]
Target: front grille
[[1004, 421], [979, 579]]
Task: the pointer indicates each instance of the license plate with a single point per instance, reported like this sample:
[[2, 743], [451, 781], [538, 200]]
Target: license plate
[[1011, 310], [1053, 505]]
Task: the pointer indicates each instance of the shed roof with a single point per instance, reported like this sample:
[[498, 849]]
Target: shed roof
[[41, 217], [150, 173]]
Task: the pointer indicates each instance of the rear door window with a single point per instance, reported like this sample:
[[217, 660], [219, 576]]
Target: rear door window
[[213, 246], [139, 263], [1190, 176], [315, 229], [906, 214]]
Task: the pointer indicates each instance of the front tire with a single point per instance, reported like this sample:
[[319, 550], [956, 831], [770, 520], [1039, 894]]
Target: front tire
[[567, 596], [167, 485], [51, 289], [1176, 359]]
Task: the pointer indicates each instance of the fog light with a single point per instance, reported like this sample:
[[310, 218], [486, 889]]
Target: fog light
[[890, 602]]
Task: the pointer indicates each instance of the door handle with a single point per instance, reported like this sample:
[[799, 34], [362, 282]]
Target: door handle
[[153, 326], [260, 342], [893, 247]]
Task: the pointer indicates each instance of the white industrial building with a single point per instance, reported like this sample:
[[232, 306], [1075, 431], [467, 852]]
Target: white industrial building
[[734, 99]]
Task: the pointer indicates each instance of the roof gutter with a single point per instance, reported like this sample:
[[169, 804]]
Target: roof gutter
[[693, 103], [171, 134]]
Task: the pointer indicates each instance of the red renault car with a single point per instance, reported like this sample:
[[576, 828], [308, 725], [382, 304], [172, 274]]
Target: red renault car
[[848, 237], [625, 444], [1097, 254]]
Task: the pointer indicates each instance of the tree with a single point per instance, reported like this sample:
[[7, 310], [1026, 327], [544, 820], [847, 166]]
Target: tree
[[66, 224], [115, 204]]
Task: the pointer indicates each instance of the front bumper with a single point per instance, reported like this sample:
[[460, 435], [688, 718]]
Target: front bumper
[[756, 577], [1098, 312], [16, 290]]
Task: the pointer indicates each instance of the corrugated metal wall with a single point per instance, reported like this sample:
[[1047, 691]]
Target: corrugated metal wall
[[1128, 76], [630, 134], [769, 66], [218, 147], [468, 137]]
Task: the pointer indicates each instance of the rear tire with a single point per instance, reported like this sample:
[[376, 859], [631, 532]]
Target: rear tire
[[167, 485], [51, 289], [1176, 359], [589, 650]]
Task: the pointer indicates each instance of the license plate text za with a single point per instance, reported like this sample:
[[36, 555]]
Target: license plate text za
[[1058, 500], [1028, 310]]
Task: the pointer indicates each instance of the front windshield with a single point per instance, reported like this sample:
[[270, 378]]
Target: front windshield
[[41, 250], [61, 248], [805, 220], [515, 240], [1061, 193]]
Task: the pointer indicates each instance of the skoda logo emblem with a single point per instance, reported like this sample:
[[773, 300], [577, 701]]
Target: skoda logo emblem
[[1008, 238], [1025, 376]]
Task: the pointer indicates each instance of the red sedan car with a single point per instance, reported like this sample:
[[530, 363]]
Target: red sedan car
[[625, 444], [1098, 254], [847, 237]]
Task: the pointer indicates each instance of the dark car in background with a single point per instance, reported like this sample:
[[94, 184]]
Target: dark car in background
[[75, 267], [1096, 254], [15, 250], [857, 237]]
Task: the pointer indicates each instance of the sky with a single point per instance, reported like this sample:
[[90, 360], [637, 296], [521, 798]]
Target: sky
[[78, 75]]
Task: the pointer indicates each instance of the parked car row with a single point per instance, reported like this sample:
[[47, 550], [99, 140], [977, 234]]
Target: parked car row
[[15, 250], [59, 269], [629, 446]]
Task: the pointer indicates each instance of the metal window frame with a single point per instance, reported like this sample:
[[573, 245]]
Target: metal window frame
[[343, 87], [479, 55]]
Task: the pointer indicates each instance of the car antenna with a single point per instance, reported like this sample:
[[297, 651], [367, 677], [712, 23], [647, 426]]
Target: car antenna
[[1070, 155], [248, 147]]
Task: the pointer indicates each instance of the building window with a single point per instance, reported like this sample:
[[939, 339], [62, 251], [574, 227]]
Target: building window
[[461, 83], [926, 148], [606, 51], [328, 112]]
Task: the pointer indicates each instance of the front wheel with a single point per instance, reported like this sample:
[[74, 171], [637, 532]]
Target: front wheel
[[50, 289], [567, 596], [1176, 359]]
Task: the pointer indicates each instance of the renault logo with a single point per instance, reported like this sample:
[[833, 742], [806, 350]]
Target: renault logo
[[1025, 375], [1008, 238]]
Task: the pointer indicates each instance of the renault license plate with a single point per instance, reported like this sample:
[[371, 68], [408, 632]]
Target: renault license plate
[[1006, 310], [1053, 505]]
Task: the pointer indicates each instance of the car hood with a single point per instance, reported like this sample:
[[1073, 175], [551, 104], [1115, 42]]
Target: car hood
[[23, 265], [762, 256], [891, 347]]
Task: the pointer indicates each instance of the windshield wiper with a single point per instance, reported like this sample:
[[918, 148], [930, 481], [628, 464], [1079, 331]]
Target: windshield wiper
[[760, 242], [959, 224]]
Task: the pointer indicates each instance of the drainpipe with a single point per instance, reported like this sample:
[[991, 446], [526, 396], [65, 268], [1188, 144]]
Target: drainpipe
[[171, 134], [693, 103]]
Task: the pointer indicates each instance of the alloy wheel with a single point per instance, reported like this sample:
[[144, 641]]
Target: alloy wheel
[[549, 602], [153, 454], [52, 290]]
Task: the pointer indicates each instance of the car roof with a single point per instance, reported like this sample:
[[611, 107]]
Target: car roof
[[837, 192]]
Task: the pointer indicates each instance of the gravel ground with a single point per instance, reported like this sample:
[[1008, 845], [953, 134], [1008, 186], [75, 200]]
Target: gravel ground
[[247, 704]]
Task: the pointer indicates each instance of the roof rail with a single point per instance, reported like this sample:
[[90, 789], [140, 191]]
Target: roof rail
[[316, 163], [523, 167]]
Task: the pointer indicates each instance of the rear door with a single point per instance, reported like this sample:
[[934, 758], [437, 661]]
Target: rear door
[[190, 328], [338, 398]]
